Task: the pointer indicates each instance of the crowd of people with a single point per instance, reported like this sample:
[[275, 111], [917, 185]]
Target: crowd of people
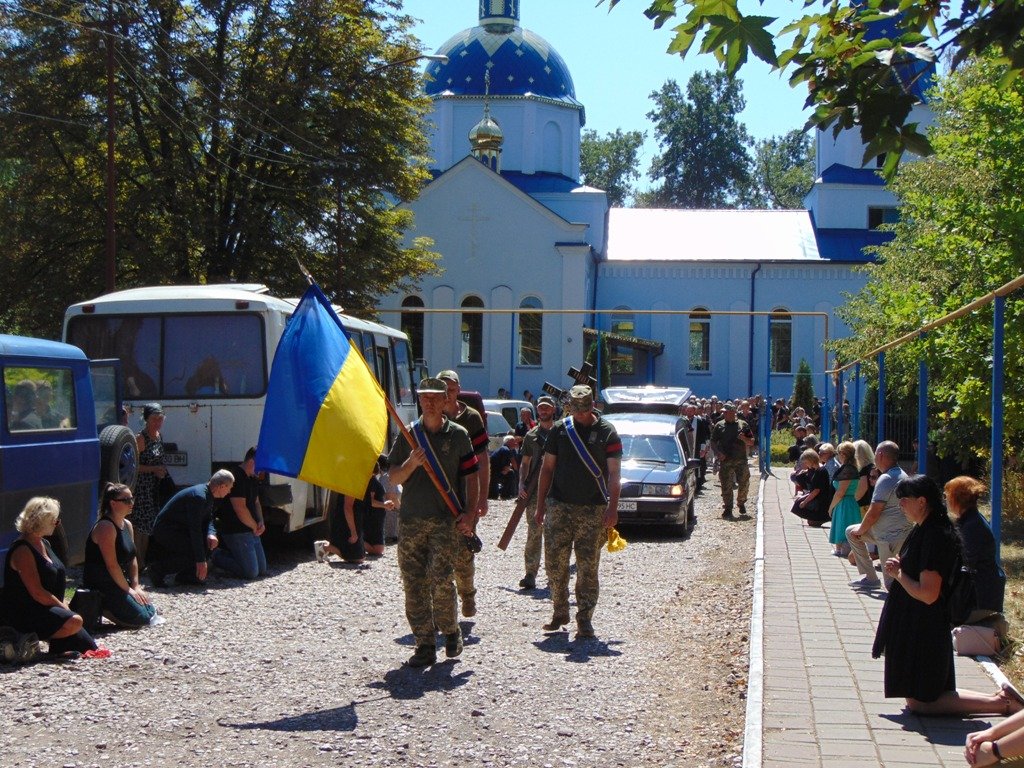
[[920, 533]]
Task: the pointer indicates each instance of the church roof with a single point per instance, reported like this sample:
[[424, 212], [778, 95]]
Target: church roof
[[544, 183], [849, 244], [521, 63], [844, 174], [652, 234]]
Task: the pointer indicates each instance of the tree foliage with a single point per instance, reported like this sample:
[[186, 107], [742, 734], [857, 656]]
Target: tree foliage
[[803, 388], [960, 236], [854, 58], [240, 126], [610, 163], [704, 161], [783, 170]]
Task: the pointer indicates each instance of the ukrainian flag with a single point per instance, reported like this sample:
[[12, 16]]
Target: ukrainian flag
[[325, 419]]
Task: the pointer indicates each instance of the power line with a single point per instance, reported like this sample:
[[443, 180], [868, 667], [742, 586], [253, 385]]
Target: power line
[[12, 111]]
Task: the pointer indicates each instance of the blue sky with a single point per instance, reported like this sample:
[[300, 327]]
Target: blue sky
[[617, 59]]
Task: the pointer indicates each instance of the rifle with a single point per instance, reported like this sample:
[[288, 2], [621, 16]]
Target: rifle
[[517, 512]]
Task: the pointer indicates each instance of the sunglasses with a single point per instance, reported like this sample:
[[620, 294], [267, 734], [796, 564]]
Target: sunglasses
[[124, 499]]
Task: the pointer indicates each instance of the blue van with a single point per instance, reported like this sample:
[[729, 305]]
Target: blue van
[[61, 436]]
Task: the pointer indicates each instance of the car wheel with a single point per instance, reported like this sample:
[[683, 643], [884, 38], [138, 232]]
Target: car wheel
[[119, 456], [691, 514]]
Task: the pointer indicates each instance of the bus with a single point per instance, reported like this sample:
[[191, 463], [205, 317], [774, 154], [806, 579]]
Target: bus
[[204, 353]]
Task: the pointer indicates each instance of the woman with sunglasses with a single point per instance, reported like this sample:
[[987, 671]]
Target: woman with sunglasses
[[111, 567]]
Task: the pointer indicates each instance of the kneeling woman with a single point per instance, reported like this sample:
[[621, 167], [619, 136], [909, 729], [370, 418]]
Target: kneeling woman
[[111, 567], [913, 631], [34, 580]]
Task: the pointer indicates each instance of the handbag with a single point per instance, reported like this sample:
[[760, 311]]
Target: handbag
[[972, 640], [962, 597], [88, 604]]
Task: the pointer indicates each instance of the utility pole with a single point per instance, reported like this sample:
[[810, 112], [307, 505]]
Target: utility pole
[[111, 261]]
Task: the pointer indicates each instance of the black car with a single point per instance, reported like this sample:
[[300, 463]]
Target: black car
[[659, 479]]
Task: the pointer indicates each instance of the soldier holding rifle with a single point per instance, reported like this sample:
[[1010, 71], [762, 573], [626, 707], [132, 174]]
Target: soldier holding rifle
[[533, 457], [428, 532]]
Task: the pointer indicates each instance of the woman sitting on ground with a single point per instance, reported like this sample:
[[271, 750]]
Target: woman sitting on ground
[[111, 567], [32, 600], [1003, 741], [844, 510], [979, 545], [913, 631], [812, 505]]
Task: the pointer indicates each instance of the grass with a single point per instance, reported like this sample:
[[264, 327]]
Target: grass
[[1012, 553]]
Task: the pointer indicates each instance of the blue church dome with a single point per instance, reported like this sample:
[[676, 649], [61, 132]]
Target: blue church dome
[[521, 62]]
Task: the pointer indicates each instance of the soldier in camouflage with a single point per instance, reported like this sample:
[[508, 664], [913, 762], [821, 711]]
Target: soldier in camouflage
[[470, 420], [574, 510], [533, 457], [429, 533], [732, 439]]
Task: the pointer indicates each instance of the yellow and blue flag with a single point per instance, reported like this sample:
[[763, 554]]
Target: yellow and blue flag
[[325, 419]]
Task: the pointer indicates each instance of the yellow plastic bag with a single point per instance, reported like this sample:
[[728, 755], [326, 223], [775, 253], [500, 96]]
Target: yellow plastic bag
[[615, 542]]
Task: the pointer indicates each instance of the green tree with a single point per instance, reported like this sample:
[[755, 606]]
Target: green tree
[[240, 129], [960, 235], [855, 59], [604, 377], [704, 161], [610, 163], [783, 170], [803, 388]]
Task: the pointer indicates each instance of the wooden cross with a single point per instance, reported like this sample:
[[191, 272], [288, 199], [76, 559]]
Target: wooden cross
[[582, 375]]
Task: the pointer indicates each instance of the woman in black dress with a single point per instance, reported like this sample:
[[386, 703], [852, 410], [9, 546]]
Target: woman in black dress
[[979, 545], [813, 503], [913, 631], [151, 472], [32, 600]]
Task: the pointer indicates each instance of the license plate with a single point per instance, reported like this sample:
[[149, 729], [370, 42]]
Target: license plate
[[176, 459], [627, 506]]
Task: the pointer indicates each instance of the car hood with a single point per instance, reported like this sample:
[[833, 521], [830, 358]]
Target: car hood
[[643, 472]]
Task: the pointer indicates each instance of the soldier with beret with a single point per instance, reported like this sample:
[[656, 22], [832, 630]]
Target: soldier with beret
[[577, 501], [428, 533]]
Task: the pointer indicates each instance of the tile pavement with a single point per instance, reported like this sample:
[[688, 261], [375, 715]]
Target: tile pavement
[[820, 697]]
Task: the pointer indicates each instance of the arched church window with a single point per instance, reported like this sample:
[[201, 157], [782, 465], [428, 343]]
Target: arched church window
[[700, 340], [412, 325], [780, 328], [472, 331], [531, 335]]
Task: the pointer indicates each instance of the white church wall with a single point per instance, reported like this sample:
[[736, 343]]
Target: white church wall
[[524, 124], [845, 206], [588, 208], [848, 149]]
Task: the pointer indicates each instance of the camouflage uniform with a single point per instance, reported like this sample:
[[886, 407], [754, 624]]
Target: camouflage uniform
[[465, 561], [569, 527], [533, 446], [427, 534], [574, 517], [733, 469], [426, 548]]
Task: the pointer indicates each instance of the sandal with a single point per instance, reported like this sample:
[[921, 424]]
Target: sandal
[[1012, 694]]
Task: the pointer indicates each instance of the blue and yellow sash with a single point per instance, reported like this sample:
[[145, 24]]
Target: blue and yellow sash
[[585, 457], [421, 439]]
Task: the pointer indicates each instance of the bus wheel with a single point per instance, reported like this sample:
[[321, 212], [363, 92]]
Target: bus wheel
[[119, 456]]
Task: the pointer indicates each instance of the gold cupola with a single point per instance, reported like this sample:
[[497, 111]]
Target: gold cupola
[[486, 137]]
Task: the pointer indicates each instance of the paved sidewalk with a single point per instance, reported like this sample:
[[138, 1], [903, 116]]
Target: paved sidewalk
[[822, 691]]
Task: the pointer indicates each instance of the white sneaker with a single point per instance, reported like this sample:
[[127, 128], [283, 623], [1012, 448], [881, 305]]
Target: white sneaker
[[320, 550]]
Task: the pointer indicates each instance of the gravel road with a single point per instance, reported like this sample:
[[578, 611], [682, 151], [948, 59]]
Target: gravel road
[[306, 667]]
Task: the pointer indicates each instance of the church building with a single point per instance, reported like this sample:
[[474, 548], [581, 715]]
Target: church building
[[518, 231]]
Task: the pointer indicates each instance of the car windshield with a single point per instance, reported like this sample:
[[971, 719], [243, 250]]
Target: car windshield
[[496, 424], [653, 449]]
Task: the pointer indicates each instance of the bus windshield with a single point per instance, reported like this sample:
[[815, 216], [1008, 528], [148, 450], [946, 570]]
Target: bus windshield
[[167, 357]]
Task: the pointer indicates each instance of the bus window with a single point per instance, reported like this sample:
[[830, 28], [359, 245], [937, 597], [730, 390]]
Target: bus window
[[135, 341], [213, 355], [403, 374], [387, 382], [370, 356]]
